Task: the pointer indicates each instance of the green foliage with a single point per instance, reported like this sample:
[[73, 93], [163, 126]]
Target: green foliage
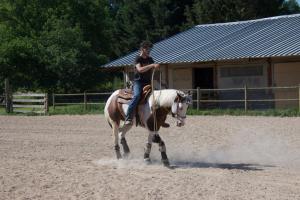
[[53, 45], [138, 20], [290, 7], [77, 110], [240, 112], [59, 45], [216, 11], [112, 85]]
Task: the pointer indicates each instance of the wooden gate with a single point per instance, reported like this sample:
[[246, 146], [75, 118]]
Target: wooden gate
[[30, 103]]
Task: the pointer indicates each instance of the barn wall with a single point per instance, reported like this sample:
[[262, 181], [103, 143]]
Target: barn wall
[[182, 78], [287, 74], [275, 72], [232, 79], [181, 75]]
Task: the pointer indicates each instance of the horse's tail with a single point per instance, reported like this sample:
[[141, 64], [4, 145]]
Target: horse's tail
[[106, 113], [109, 123]]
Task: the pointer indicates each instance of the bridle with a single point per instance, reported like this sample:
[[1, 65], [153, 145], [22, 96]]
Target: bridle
[[176, 115]]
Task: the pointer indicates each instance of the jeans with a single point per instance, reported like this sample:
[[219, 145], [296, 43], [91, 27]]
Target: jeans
[[137, 93]]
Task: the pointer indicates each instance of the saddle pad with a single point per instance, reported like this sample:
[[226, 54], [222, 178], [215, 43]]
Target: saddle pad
[[123, 101], [125, 94]]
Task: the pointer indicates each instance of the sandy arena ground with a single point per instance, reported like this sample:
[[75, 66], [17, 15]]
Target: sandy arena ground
[[71, 157]]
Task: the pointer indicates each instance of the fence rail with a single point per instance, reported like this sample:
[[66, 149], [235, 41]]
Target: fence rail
[[245, 98], [30, 103], [80, 99]]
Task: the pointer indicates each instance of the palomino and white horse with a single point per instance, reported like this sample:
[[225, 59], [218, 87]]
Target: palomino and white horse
[[164, 101]]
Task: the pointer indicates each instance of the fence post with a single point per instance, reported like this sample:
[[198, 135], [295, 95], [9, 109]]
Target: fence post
[[198, 98], [84, 99], [53, 101], [46, 103], [8, 97], [299, 96], [246, 98]]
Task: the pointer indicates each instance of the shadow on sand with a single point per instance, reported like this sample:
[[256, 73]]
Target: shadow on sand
[[230, 166]]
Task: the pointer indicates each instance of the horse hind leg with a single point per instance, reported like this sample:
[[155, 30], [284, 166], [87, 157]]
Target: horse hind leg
[[125, 147], [122, 134], [115, 128]]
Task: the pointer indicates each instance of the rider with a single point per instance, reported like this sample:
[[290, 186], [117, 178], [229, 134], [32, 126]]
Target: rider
[[142, 77]]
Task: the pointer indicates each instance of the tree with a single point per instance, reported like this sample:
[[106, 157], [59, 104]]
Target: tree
[[54, 45], [290, 7], [216, 11], [138, 20]]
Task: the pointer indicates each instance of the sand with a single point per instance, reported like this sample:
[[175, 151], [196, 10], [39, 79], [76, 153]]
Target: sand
[[224, 157]]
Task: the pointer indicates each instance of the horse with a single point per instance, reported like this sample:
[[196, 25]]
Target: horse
[[151, 115]]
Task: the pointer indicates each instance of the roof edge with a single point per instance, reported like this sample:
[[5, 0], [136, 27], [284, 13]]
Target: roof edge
[[247, 21]]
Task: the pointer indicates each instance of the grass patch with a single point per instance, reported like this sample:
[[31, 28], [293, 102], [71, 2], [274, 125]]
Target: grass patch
[[76, 110], [241, 112], [62, 110], [2, 111]]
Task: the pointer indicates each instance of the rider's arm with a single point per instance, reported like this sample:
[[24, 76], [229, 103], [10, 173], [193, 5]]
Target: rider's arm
[[143, 69]]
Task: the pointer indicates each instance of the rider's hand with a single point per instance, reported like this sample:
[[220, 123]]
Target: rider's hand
[[155, 66]]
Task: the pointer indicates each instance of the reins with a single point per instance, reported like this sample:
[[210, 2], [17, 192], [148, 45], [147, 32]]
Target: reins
[[153, 97]]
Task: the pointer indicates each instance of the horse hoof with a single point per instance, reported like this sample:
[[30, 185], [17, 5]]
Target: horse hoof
[[119, 156], [126, 155], [147, 161], [166, 163]]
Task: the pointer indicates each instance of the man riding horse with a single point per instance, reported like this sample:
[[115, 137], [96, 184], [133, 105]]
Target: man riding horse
[[147, 111], [144, 65]]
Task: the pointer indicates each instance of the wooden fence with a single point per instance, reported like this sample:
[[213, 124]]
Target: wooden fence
[[30, 103], [82, 97], [2, 100], [201, 97]]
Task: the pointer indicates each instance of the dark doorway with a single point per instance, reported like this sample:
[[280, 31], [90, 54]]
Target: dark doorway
[[204, 78]]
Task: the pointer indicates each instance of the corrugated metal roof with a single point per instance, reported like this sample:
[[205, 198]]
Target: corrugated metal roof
[[268, 37]]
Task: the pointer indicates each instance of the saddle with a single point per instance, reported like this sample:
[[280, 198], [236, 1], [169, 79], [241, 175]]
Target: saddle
[[125, 95]]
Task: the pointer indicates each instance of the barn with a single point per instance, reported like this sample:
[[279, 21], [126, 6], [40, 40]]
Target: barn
[[257, 53]]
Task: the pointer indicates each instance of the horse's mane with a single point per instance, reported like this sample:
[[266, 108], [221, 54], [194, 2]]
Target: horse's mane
[[164, 98]]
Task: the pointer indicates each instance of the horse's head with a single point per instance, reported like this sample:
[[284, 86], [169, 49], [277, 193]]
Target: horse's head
[[180, 106]]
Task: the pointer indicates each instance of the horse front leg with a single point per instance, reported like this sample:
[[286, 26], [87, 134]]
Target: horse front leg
[[154, 137], [162, 148]]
